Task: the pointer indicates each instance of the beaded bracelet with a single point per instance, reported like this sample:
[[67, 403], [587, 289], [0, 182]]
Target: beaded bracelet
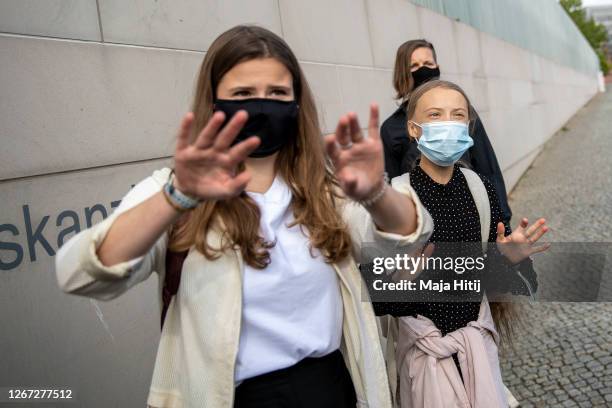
[[372, 199]]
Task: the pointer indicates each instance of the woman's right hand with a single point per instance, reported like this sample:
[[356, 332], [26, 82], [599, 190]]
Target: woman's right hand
[[207, 169]]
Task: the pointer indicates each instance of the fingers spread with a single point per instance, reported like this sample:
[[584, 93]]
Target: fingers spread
[[536, 225], [240, 151], [522, 225], [342, 131], [355, 130], [374, 119], [184, 131], [231, 130], [207, 135], [501, 229], [331, 147], [538, 234]]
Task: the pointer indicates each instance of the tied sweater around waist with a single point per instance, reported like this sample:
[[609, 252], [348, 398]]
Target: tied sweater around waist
[[427, 372]]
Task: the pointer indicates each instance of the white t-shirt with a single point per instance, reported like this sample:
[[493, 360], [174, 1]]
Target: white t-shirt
[[292, 309]]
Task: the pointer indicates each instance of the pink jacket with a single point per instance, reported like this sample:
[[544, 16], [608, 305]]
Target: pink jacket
[[428, 376]]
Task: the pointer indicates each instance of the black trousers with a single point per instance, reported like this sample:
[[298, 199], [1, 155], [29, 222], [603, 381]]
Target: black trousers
[[322, 382]]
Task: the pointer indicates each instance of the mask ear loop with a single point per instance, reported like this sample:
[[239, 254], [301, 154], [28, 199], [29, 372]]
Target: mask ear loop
[[416, 124]]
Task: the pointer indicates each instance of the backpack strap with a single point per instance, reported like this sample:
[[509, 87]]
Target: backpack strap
[[172, 279], [483, 205]]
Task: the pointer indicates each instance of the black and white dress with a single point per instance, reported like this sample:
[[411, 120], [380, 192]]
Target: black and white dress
[[456, 219]]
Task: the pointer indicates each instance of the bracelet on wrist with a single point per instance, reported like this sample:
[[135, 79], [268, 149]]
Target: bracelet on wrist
[[377, 195], [177, 199], [172, 203]]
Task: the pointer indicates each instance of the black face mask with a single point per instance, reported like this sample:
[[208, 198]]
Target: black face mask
[[424, 74], [273, 121]]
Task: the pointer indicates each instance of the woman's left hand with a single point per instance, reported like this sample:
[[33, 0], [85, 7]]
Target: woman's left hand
[[521, 243], [358, 160]]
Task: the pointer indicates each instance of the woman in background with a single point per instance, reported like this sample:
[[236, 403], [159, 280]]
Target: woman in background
[[415, 64]]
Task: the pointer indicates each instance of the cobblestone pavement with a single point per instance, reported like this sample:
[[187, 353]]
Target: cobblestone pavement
[[563, 351]]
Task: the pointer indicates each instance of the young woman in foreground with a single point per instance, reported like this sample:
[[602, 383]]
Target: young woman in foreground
[[269, 310], [447, 350]]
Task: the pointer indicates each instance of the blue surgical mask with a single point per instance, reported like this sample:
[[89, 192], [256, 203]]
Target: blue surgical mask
[[444, 142]]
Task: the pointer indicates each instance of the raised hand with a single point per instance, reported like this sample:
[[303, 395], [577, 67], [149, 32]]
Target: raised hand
[[206, 169], [521, 243], [358, 160]]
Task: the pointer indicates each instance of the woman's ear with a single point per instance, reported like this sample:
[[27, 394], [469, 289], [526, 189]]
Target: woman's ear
[[413, 131]]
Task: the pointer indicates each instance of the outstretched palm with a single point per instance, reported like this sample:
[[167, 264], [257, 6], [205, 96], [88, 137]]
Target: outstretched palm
[[206, 169], [521, 243], [358, 160]]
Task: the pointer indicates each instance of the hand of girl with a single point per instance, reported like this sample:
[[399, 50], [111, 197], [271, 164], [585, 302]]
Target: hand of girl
[[521, 243], [358, 160], [206, 169]]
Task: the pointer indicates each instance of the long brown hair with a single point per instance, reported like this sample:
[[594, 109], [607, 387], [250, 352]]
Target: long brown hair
[[302, 164], [402, 79], [505, 314]]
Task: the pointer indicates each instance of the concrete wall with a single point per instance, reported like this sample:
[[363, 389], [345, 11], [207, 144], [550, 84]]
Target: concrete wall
[[92, 95]]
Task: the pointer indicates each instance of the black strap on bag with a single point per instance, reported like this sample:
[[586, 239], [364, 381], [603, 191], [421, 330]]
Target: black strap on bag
[[172, 279]]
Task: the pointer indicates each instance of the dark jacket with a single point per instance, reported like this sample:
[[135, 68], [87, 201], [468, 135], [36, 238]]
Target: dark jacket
[[401, 154]]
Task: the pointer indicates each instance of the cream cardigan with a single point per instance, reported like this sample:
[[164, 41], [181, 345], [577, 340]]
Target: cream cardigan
[[195, 360]]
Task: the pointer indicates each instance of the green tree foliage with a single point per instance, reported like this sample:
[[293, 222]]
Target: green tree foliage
[[595, 33]]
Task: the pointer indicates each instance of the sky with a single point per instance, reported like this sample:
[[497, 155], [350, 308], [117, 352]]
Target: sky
[[596, 2]]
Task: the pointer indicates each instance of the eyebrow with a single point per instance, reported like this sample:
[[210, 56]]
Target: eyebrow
[[241, 88], [439, 109], [250, 88], [427, 61]]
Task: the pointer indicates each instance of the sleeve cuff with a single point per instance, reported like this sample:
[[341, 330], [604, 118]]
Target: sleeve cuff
[[92, 264], [423, 229]]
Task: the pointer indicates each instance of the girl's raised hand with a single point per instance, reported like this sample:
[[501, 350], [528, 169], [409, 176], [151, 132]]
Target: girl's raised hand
[[522, 242], [358, 160], [206, 169]]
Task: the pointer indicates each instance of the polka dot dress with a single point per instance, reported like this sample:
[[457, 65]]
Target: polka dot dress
[[456, 219]]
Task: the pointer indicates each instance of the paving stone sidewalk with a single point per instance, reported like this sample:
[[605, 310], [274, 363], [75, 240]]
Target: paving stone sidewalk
[[563, 351]]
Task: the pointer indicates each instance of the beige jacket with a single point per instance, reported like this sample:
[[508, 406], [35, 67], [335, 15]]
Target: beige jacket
[[428, 375], [195, 360]]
